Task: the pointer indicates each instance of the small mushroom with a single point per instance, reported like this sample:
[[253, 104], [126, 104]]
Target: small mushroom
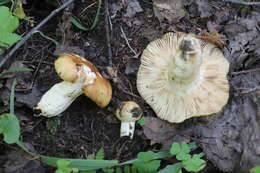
[[80, 76], [181, 76], [128, 113]]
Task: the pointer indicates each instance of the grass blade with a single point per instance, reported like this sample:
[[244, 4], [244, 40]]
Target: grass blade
[[159, 155], [12, 70], [81, 164], [80, 26]]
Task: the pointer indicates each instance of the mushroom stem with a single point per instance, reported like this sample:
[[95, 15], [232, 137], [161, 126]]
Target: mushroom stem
[[127, 129], [59, 98], [187, 62]]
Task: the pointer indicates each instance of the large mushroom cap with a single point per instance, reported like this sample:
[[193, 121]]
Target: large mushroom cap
[[181, 77]]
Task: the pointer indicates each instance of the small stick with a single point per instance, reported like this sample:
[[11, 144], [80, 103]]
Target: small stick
[[243, 2], [127, 42], [34, 30], [245, 71], [249, 90], [108, 33]]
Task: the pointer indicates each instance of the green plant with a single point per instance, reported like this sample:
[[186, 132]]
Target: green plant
[[12, 70], [63, 167], [77, 23], [255, 169], [141, 121], [9, 124], [8, 23], [146, 162], [191, 163]]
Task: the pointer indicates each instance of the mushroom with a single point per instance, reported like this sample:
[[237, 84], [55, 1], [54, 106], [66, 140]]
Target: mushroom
[[80, 76], [128, 113], [181, 76]]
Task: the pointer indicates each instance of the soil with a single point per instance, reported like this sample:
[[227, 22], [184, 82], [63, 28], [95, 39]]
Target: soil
[[84, 128]]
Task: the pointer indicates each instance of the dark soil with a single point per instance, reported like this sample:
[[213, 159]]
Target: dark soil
[[84, 128]]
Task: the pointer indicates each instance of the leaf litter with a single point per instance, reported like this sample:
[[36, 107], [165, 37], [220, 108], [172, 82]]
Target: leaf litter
[[233, 135], [227, 138]]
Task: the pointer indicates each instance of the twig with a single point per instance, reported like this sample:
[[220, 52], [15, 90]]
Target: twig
[[245, 71], [81, 13], [243, 2], [127, 42], [27, 36], [249, 90], [108, 33]]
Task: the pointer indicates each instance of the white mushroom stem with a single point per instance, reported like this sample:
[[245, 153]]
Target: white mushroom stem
[[127, 129], [59, 98], [61, 95], [187, 61]]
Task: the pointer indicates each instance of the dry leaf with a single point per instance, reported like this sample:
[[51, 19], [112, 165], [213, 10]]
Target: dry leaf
[[212, 37], [168, 9]]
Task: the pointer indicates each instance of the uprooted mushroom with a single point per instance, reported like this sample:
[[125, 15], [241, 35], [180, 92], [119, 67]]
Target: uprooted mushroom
[[79, 76], [181, 76], [128, 113]]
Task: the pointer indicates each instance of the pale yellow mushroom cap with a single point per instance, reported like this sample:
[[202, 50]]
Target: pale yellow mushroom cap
[[181, 85], [66, 68]]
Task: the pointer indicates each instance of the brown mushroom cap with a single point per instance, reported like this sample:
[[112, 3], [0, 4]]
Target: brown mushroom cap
[[100, 91], [71, 68], [163, 83]]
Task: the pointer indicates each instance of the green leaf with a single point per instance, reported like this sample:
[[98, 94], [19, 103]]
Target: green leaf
[[183, 156], [171, 168], [118, 170], [10, 128], [12, 70], [127, 169], [181, 150], [9, 38], [194, 164], [63, 163], [78, 24], [9, 23], [4, 45], [81, 164], [64, 167], [108, 170], [141, 121], [145, 156], [158, 155], [147, 167], [185, 147], [175, 148], [134, 170], [100, 154], [255, 169]]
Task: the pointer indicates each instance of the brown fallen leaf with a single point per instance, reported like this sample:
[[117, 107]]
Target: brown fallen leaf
[[212, 37], [169, 10], [160, 131]]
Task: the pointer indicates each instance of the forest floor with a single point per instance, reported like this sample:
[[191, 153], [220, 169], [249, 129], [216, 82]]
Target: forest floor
[[84, 128]]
